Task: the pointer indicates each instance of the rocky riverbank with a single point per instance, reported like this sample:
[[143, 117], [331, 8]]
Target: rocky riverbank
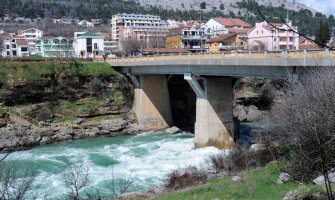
[[63, 101], [23, 137]]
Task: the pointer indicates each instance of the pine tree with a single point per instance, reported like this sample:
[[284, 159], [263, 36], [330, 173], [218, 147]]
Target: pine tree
[[322, 33]]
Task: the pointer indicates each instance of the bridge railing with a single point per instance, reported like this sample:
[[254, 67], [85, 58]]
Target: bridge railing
[[275, 55]]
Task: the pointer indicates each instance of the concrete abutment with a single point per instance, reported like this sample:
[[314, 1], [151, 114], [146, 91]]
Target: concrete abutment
[[151, 103]]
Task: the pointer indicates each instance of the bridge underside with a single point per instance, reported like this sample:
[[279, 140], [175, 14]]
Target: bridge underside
[[214, 125]]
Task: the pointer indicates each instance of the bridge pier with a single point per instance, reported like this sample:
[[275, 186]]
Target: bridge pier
[[151, 103], [214, 111]]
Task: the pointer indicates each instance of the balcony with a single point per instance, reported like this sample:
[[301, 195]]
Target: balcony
[[193, 37]]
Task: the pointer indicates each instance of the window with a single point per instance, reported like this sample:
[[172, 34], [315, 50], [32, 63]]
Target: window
[[14, 53], [95, 46], [13, 46], [8, 53], [275, 39], [7, 46], [24, 49]]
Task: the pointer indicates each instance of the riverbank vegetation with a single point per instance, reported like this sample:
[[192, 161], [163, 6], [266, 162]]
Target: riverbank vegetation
[[296, 148]]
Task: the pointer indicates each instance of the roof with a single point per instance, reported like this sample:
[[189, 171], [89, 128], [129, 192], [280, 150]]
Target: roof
[[178, 30], [231, 22], [221, 38], [165, 50], [22, 42], [89, 34], [270, 27]]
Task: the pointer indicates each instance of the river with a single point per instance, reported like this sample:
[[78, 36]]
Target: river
[[146, 159]]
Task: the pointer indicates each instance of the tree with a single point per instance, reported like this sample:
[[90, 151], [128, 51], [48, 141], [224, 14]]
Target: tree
[[222, 6], [11, 185], [75, 178], [304, 123], [323, 33], [131, 46], [203, 5]]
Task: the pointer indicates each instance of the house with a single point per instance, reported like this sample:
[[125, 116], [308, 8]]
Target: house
[[273, 37], [14, 46], [193, 38], [85, 23], [304, 43], [219, 26], [31, 34], [88, 44], [226, 42], [55, 47]]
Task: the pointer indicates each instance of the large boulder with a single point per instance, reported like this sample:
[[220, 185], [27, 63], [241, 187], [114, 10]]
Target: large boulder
[[173, 130], [321, 180], [284, 177]]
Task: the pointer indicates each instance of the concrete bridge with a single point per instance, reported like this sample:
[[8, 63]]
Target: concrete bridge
[[212, 77]]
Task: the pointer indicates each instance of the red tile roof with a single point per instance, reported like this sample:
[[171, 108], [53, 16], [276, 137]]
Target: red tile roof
[[221, 38], [239, 30], [178, 30], [231, 22], [22, 42], [268, 26]]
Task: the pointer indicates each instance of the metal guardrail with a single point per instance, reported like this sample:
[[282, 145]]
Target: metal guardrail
[[298, 54]]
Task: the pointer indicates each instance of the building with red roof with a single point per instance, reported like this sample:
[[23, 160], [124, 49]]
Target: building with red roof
[[273, 37], [220, 26]]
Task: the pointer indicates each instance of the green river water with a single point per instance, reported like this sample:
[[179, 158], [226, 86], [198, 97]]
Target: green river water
[[146, 159]]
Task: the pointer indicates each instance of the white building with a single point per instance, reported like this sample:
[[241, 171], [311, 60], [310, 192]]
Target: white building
[[266, 37], [14, 46], [216, 27], [31, 34], [85, 23], [88, 44]]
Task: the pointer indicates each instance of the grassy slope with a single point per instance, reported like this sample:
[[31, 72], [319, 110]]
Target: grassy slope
[[259, 184], [34, 71]]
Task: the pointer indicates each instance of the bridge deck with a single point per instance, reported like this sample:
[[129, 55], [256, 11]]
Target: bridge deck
[[262, 64]]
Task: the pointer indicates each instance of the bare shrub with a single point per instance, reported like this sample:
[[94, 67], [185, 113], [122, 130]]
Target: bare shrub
[[304, 122], [240, 159], [16, 182], [184, 178], [75, 179], [120, 187]]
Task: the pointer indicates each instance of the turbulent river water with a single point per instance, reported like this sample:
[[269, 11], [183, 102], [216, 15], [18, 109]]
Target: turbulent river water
[[145, 159]]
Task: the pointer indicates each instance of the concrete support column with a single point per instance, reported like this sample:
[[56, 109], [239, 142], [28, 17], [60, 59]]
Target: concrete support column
[[152, 103], [214, 113]]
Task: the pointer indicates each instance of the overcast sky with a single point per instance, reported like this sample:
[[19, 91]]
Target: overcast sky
[[325, 6]]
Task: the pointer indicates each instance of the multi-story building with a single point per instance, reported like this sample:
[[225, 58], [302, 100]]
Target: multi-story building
[[88, 44], [31, 34], [219, 26], [275, 37], [55, 47], [193, 38], [148, 29], [14, 46]]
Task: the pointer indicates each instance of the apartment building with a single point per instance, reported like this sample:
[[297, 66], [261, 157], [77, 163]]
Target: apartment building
[[55, 47], [88, 45], [273, 37], [148, 29], [14, 46], [193, 38]]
